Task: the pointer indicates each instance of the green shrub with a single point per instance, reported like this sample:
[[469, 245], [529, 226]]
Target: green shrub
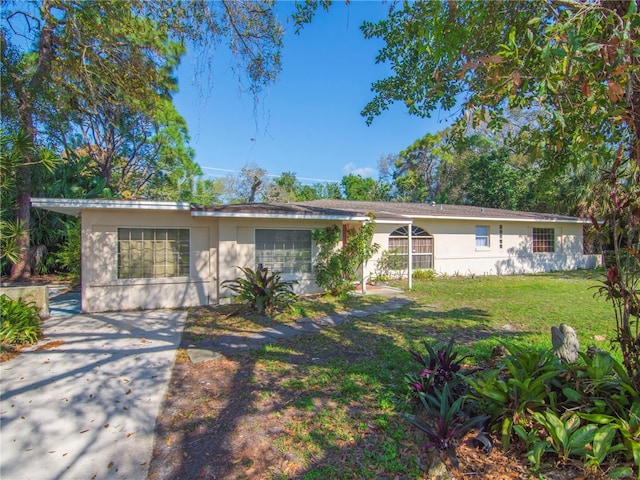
[[336, 268], [390, 266], [263, 291], [587, 412], [68, 257], [20, 321], [424, 274]]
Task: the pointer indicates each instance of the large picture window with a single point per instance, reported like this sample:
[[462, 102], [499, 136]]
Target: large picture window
[[284, 251], [544, 240], [153, 252]]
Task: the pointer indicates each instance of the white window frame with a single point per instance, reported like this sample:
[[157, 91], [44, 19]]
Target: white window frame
[[291, 271], [484, 238]]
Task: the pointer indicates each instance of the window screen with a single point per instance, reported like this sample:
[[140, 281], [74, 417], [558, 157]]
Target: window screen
[[421, 243], [284, 251]]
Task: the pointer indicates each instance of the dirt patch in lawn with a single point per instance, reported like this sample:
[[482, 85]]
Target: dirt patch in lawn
[[261, 415]]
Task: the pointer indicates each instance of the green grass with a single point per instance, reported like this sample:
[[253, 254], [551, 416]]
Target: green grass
[[519, 309], [344, 387]]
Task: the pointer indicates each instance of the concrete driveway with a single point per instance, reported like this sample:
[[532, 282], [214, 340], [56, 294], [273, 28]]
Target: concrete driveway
[[86, 409]]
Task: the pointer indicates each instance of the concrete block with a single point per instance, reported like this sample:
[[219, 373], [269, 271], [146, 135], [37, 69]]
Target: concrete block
[[38, 294]]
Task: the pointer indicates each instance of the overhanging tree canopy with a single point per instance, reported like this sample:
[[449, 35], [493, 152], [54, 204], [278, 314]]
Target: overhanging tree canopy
[[71, 56], [577, 64]]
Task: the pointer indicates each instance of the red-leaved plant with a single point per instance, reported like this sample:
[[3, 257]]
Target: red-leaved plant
[[616, 217]]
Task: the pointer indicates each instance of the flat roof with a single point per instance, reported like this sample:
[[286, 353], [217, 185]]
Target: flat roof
[[73, 206], [436, 210], [324, 209]]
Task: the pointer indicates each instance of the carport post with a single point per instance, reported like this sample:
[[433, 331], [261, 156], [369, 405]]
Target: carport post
[[410, 257]]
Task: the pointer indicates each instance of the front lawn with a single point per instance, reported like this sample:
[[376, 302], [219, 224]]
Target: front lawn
[[330, 404]]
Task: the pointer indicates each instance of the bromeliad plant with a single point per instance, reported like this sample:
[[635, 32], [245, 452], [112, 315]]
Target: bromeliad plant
[[592, 439], [512, 394], [439, 368], [446, 423], [627, 429], [262, 290], [600, 386], [588, 412]]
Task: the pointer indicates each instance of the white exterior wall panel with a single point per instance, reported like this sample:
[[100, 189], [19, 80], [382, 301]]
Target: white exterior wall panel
[[456, 253], [102, 290], [237, 248]]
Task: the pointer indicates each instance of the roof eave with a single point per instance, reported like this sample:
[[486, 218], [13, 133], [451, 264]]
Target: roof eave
[[299, 216], [501, 219], [73, 206]]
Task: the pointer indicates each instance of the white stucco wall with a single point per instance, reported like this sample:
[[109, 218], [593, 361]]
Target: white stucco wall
[[455, 251], [103, 291], [219, 245], [237, 248]]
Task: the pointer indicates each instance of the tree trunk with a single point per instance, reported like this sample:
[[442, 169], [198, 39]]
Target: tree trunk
[[21, 270], [26, 94]]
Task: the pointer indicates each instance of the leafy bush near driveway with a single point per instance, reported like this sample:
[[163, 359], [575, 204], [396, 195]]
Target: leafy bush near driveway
[[262, 290], [587, 412], [20, 321]]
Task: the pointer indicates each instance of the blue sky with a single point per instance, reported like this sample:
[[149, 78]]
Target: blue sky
[[309, 121]]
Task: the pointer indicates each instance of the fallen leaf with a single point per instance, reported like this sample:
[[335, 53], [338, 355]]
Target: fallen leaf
[[517, 81], [106, 425], [85, 431], [52, 451], [129, 434], [614, 91], [619, 70], [128, 392], [110, 465]]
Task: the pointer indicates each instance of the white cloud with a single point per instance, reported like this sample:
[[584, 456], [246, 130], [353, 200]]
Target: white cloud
[[362, 171]]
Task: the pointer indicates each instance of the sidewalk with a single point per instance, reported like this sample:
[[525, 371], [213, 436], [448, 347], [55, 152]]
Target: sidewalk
[[237, 342]]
